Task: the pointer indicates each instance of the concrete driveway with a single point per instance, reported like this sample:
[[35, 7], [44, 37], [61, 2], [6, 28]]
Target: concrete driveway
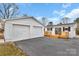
[[49, 47]]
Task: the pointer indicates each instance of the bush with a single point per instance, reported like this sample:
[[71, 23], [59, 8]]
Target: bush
[[77, 31]]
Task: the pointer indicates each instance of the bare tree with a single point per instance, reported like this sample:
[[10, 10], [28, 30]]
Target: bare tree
[[44, 21], [77, 20], [8, 10], [65, 20]]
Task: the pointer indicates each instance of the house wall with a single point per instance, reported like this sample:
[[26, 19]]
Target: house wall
[[9, 28], [8, 31], [72, 32], [72, 29], [53, 30]]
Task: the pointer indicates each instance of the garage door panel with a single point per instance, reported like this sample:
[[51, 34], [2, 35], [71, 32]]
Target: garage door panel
[[21, 32], [37, 31]]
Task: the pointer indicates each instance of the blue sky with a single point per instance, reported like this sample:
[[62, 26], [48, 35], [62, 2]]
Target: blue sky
[[52, 11]]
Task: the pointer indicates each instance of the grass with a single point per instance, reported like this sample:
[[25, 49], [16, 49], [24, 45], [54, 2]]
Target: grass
[[9, 49]]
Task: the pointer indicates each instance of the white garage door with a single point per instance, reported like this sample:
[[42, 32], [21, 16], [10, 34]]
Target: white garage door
[[37, 31], [21, 32]]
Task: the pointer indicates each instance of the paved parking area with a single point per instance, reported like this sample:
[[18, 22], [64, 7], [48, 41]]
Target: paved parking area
[[49, 47]]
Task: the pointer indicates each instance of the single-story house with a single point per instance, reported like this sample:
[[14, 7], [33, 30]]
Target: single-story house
[[60, 28], [23, 28]]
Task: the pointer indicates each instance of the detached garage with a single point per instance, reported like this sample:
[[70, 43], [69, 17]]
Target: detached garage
[[23, 28]]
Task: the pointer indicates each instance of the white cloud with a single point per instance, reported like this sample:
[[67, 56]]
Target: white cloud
[[59, 13], [54, 20], [73, 14], [66, 5], [38, 18]]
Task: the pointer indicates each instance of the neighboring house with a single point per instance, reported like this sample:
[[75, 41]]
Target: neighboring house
[[70, 28], [23, 28]]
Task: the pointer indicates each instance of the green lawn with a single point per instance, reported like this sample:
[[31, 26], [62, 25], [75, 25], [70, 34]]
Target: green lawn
[[9, 49]]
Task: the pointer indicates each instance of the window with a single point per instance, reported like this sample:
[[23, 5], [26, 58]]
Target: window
[[58, 31], [49, 29], [66, 29], [63, 28]]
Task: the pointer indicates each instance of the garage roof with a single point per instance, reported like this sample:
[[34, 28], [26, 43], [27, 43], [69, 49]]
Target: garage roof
[[25, 17]]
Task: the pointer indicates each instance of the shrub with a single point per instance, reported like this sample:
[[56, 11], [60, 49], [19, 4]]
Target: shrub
[[77, 31]]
